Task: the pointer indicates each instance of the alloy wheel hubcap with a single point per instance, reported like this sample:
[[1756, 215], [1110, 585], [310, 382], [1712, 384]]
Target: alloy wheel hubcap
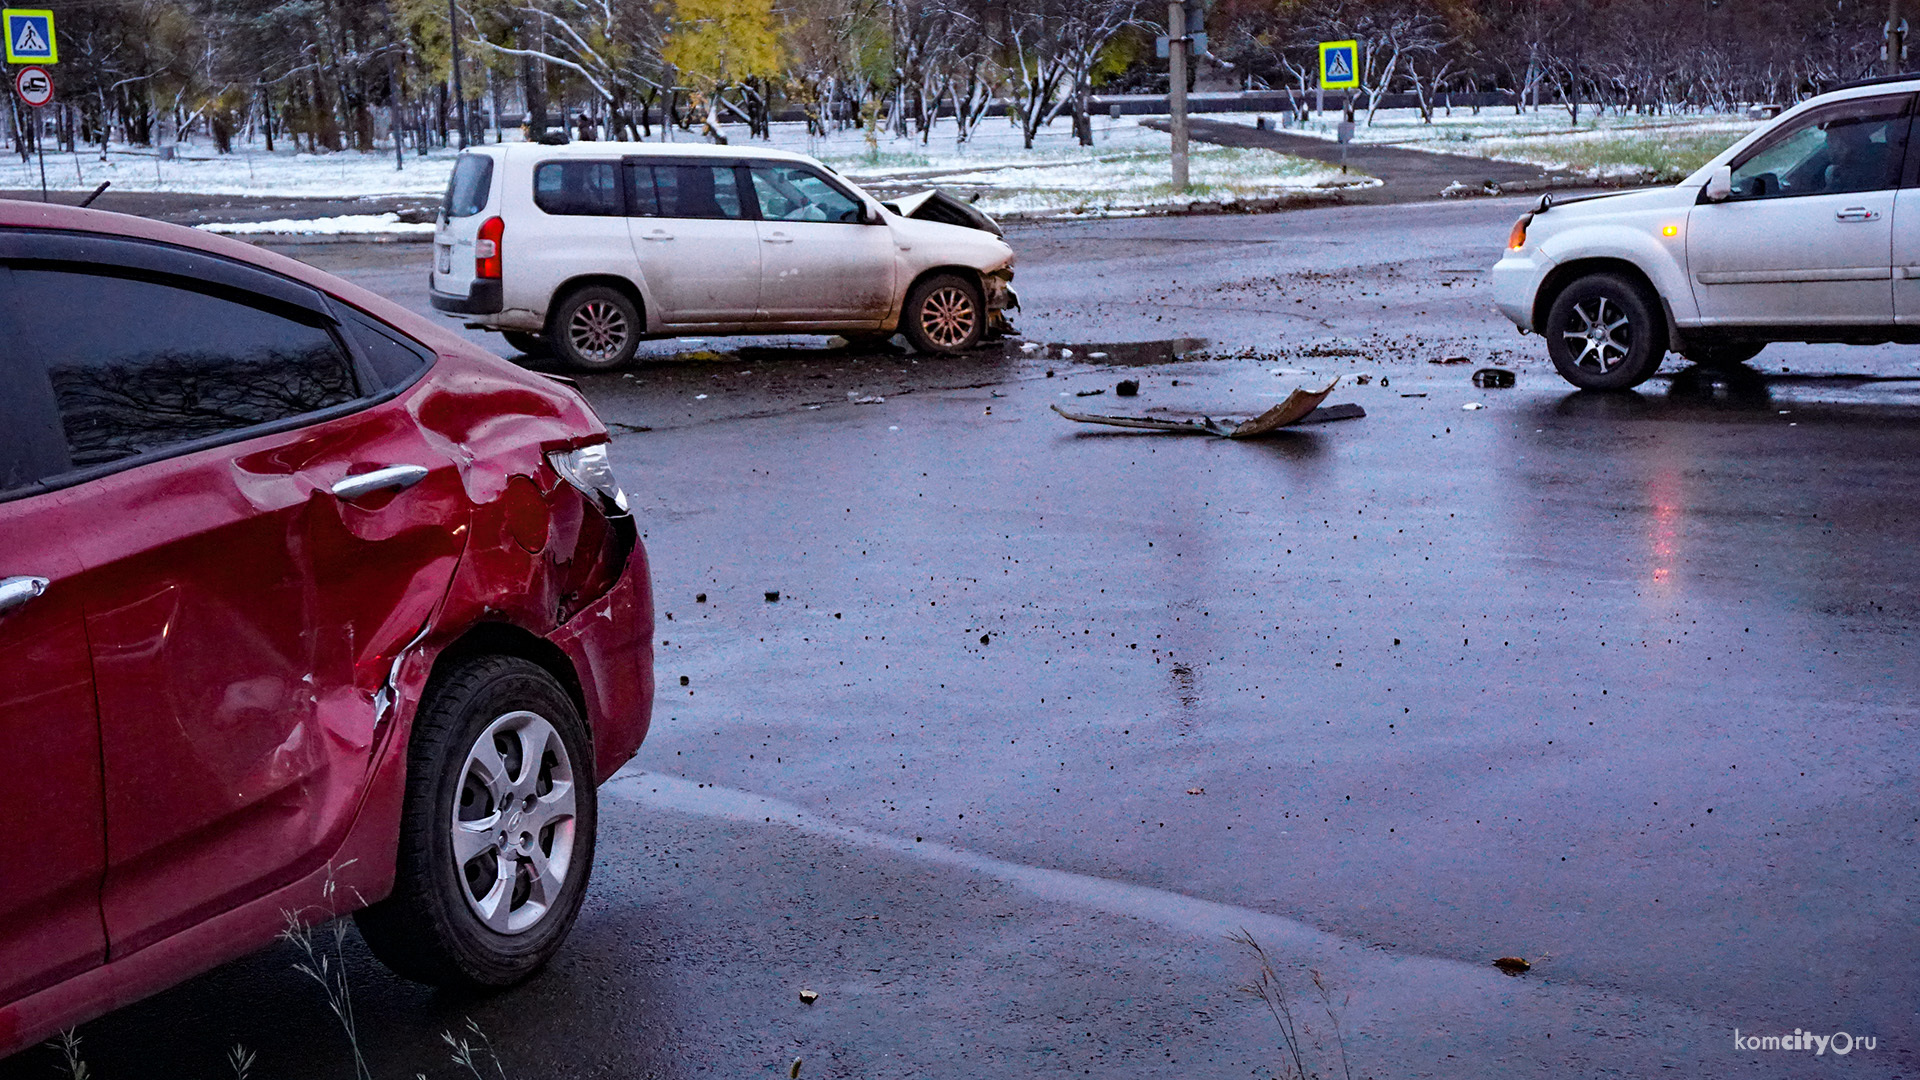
[[1600, 336], [513, 822], [598, 331], [949, 317]]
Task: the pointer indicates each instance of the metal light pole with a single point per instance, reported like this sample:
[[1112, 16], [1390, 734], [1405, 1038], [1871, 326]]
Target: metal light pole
[[459, 95], [1177, 43]]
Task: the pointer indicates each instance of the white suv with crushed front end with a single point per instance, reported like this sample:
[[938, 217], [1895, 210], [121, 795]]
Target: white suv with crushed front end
[[587, 248], [1806, 230]]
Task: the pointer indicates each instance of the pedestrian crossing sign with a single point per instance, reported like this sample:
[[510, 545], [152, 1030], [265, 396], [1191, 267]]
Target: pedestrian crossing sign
[[1339, 65], [29, 36]]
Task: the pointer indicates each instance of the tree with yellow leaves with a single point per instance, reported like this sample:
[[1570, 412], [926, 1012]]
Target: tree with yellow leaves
[[717, 44]]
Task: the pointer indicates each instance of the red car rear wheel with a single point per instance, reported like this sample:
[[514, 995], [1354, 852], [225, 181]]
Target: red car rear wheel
[[497, 832]]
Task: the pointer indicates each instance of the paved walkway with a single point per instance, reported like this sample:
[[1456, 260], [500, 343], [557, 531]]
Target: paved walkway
[[1406, 175]]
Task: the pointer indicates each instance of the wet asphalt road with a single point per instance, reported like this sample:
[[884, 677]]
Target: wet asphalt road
[[1622, 685]]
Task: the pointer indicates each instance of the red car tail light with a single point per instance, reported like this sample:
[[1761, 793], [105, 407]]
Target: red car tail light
[[486, 249]]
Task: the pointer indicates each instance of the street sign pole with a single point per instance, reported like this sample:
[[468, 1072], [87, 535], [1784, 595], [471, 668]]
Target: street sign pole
[[35, 89], [1177, 88]]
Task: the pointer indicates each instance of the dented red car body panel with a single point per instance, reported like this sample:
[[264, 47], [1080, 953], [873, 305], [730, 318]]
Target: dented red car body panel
[[213, 690]]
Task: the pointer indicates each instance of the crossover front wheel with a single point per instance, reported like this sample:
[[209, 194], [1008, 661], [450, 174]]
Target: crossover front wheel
[[1604, 333], [496, 834], [945, 314]]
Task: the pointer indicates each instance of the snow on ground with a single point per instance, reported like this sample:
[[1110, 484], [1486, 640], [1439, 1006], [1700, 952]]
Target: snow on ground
[[341, 225], [1601, 145], [1126, 170], [199, 170]]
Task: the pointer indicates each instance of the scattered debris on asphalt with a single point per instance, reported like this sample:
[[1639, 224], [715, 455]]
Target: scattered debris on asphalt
[[870, 399], [1127, 388], [1512, 965], [1472, 405], [1413, 395], [794, 1072], [811, 996], [1301, 407], [986, 639], [1493, 378], [684, 680], [1091, 393], [699, 598], [1362, 380], [1452, 360], [773, 596], [1196, 791]]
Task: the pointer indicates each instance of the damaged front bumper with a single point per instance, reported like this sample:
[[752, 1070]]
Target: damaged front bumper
[[1000, 299]]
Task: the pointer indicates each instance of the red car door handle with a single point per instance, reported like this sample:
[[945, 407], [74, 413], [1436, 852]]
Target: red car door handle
[[15, 591], [391, 478]]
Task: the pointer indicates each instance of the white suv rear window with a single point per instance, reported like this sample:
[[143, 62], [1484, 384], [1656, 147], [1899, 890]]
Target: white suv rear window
[[467, 191], [578, 187]]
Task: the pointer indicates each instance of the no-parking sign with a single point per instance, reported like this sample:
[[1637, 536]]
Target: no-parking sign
[[34, 86]]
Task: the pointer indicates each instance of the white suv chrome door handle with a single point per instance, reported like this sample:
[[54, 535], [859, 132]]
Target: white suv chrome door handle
[[391, 478], [16, 591], [1855, 213], [658, 234], [777, 238]]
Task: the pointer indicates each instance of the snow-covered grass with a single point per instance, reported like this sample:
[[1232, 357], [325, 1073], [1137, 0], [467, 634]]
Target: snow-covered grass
[[199, 170], [1663, 147], [341, 225], [1126, 170]]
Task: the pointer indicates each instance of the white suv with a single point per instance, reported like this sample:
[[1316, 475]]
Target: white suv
[[587, 248], [1806, 230]]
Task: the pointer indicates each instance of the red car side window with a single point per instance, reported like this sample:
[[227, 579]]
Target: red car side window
[[138, 366]]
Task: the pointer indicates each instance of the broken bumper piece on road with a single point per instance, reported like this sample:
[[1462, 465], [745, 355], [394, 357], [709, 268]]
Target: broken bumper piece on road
[[1301, 407]]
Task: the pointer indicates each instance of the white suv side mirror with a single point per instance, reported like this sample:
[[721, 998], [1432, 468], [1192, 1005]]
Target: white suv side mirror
[[1719, 185]]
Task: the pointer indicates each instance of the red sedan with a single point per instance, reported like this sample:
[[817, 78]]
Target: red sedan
[[306, 605]]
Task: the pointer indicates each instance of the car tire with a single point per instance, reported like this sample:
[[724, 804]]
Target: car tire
[[595, 329], [1605, 333], [460, 916], [1724, 355], [944, 314], [529, 344]]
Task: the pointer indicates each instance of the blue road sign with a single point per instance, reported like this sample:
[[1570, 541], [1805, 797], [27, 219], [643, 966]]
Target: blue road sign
[[30, 37], [1339, 65]]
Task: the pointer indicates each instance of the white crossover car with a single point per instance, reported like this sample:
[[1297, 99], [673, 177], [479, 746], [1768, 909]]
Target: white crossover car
[[1806, 230], [587, 248]]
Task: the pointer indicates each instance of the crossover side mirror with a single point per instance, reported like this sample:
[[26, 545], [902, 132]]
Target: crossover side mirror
[[1719, 185]]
